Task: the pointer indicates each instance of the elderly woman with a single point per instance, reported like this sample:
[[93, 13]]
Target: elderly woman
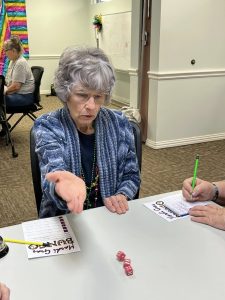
[[86, 151], [19, 78]]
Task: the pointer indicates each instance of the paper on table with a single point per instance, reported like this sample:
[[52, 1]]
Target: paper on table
[[179, 205], [173, 207], [159, 208], [56, 231]]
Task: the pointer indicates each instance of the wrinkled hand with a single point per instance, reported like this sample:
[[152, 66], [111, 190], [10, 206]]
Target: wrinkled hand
[[70, 188], [203, 190], [4, 292], [117, 203], [209, 214]]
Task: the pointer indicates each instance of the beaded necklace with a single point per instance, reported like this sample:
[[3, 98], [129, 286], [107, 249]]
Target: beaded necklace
[[92, 189]]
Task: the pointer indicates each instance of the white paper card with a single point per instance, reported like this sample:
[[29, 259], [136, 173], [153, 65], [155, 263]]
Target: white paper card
[[179, 205], [56, 231], [173, 207], [158, 208]]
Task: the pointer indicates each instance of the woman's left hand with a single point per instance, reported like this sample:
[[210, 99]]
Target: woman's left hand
[[209, 214], [117, 203]]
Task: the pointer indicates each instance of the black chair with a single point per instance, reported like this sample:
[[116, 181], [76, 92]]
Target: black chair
[[29, 110], [137, 141], [3, 119], [138, 145], [35, 170]]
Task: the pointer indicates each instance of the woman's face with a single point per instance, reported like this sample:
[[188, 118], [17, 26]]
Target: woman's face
[[12, 54], [84, 106]]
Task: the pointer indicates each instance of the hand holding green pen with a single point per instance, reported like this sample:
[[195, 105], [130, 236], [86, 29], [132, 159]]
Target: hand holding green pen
[[195, 172]]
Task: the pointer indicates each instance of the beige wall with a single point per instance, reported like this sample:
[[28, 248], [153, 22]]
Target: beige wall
[[53, 25], [186, 102], [122, 88]]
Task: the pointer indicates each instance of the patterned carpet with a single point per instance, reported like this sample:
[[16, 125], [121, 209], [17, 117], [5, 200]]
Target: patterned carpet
[[162, 170]]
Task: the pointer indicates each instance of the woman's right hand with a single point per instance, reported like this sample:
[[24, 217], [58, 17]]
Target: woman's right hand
[[70, 188], [203, 190]]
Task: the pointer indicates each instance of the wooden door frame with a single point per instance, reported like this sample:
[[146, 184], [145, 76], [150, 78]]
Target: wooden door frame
[[145, 42]]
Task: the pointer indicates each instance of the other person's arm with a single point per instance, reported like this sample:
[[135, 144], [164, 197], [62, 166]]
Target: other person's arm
[[4, 292], [204, 191], [13, 88]]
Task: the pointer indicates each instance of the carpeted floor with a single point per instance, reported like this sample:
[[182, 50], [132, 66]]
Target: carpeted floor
[[162, 170]]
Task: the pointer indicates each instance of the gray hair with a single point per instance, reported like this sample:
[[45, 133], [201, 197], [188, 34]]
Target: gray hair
[[13, 43], [84, 67]]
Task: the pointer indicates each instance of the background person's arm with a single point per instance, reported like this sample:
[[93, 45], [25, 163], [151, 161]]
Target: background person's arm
[[13, 88]]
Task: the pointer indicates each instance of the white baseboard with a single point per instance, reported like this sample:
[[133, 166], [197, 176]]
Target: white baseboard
[[122, 100], [45, 92], [185, 141], [44, 56]]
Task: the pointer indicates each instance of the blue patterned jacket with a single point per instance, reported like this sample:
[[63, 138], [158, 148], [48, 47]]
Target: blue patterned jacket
[[57, 146]]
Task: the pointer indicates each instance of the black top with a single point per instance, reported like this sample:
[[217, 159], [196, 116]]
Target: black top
[[87, 149]]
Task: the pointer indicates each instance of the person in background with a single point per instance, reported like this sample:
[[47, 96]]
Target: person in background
[[212, 215], [4, 292], [19, 78], [86, 152]]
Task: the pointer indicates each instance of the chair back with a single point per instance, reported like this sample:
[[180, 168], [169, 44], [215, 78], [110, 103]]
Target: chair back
[[37, 73], [138, 146], [35, 169], [137, 141]]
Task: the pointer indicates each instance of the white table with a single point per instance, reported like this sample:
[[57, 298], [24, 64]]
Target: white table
[[177, 260]]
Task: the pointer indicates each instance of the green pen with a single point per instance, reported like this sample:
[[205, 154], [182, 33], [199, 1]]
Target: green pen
[[195, 172]]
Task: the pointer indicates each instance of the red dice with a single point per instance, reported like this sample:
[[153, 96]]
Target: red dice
[[126, 262], [128, 270], [120, 255]]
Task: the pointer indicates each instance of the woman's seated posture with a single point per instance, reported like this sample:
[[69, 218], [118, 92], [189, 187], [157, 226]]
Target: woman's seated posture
[[86, 151], [19, 78]]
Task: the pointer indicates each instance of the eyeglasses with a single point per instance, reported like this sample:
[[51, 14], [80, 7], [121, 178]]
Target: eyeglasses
[[83, 97]]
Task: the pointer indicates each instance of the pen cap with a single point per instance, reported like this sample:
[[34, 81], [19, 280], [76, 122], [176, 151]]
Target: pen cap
[[4, 249]]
